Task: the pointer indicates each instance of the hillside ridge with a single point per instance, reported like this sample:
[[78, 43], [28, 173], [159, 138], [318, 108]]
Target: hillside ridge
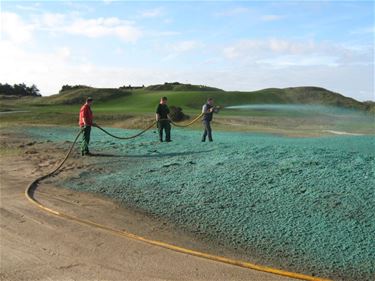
[[192, 96]]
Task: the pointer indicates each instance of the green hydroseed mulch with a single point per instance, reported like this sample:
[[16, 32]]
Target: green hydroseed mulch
[[301, 204]]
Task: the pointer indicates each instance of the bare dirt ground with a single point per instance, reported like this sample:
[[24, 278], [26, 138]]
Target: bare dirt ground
[[36, 245]]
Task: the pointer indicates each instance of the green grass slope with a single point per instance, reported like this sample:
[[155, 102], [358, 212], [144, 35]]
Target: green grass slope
[[316, 95], [77, 96], [190, 100], [191, 97]]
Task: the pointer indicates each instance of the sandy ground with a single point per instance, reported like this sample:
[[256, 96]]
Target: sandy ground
[[36, 245]]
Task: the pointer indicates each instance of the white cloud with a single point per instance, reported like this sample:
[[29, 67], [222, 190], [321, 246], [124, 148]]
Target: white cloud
[[92, 28], [298, 60], [79, 7], [184, 46], [280, 52], [165, 33], [259, 47], [168, 21], [107, 2], [364, 30], [252, 14], [33, 68], [177, 49], [50, 20], [271, 17], [34, 7], [50, 70], [234, 12], [100, 27], [18, 30], [63, 52], [154, 13], [15, 29]]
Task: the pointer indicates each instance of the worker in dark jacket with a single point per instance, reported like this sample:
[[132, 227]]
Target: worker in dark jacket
[[162, 112], [85, 122], [208, 110]]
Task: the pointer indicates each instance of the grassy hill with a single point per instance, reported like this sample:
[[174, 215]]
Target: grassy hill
[[189, 97], [76, 96]]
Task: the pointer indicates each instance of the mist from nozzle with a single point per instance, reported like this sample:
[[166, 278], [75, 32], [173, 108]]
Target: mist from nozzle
[[328, 117], [301, 108], [293, 107]]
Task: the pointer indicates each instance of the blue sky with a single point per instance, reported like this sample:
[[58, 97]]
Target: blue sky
[[246, 45]]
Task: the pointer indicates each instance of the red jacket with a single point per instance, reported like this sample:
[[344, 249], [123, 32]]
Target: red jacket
[[85, 113]]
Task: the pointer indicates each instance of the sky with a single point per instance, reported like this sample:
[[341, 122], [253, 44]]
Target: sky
[[232, 45]]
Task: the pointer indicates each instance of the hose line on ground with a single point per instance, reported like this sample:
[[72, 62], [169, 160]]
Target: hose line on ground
[[188, 124], [64, 160], [126, 138], [149, 127], [31, 188]]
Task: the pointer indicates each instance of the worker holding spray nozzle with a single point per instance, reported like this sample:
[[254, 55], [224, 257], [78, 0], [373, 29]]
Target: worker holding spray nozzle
[[208, 110]]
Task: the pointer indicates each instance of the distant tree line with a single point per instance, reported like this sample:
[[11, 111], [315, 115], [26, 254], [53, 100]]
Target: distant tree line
[[130, 87], [74, 87], [19, 90]]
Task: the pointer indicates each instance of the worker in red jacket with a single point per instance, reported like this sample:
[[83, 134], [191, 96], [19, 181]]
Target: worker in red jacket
[[85, 122]]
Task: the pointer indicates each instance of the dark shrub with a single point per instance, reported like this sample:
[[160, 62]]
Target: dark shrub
[[176, 114]]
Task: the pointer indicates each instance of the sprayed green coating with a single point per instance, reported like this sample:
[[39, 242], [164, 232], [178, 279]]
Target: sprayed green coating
[[303, 204]]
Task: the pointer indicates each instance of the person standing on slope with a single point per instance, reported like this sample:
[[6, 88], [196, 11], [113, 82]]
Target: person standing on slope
[[162, 112], [208, 110], [85, 122]]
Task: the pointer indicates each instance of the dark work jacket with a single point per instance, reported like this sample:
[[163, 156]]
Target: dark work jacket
[[162, 110], [208, 116]]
